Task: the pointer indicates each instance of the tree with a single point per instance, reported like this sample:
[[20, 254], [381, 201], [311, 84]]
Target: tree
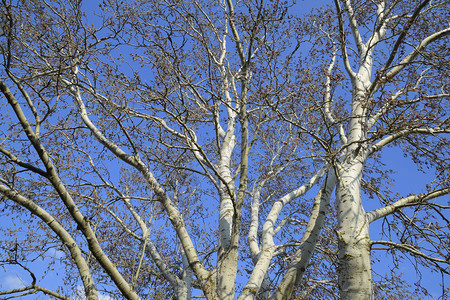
[[171, 147]]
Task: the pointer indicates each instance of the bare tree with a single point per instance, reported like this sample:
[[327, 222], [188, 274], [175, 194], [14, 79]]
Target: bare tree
[[180, 148]]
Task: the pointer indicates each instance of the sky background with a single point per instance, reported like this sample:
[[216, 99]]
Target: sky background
[[408, 180]]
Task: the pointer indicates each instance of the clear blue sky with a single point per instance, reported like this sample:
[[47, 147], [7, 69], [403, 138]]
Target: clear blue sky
[[408, 180]]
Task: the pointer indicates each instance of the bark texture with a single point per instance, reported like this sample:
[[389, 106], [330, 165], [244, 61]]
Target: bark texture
[[355, 270]]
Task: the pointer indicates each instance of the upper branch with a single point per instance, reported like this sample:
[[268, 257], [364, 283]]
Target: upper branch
[[354, 27], [403, 133], [235, 32], [381, 74], [411, 249], [343, 43], [407, 201]]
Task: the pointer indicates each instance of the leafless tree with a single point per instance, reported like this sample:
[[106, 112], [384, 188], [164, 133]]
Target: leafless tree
[[173, 149]]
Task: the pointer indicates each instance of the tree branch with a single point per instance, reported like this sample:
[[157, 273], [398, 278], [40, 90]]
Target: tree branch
[[381, 75], [411, 249], [67, 199], [25, 165], [402, 133], [309, 241], [343, 42], [32, 289], [407, 201], [63, 235]]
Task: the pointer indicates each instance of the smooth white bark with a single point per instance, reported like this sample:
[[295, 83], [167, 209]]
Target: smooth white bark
[[355, 271], [268, 246], [71, 245], [309, 241], [407, 201]]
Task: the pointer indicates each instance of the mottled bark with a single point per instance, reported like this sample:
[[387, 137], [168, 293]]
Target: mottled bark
[[355, 271], [310, 238], [71, 245]]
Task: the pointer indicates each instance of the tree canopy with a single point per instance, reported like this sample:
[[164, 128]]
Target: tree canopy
[[220, 149]]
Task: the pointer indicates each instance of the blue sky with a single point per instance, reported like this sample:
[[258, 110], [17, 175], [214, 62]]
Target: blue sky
[[409, 180]]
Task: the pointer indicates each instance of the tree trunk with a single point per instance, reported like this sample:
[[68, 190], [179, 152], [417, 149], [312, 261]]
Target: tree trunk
[[355, 271], [227, 254]]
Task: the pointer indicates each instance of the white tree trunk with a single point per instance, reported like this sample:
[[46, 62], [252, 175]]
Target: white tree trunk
[[227, 254], [188, 275], [355, 271]]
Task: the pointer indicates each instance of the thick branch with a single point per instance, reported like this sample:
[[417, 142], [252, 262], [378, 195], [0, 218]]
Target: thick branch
[[268, 246], [354, 27], [382, 75], [402, 35], [235, 32], [407, 201], [67, 199], [402, 133], [418, 49], [310, 238], [63, 235]]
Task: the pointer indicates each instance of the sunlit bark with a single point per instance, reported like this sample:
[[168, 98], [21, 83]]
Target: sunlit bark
[[355, 271], [149, 137], [83, 268], [309, 241]]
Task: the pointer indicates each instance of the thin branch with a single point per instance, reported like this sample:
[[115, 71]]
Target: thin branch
[[32, 289], [411, 249]]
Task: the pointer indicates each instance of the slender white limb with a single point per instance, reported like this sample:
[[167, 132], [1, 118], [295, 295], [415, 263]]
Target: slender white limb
[[407, 201], [402, 133], [417, 50], [382, 76], [343, 42], [384, 109], [329, 100], [254, 219], [354, 27], [63, 235], [380, 30]]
